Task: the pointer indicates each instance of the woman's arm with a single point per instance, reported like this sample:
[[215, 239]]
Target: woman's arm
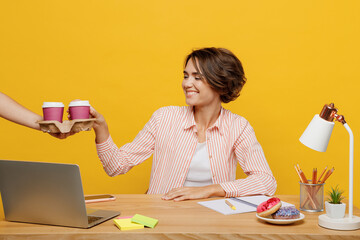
[[251, 159], [100, 127], [13, 111], [120, 160], [187, 193]]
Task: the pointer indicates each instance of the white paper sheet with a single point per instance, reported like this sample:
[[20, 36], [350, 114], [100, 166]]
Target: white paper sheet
[[221, 207]]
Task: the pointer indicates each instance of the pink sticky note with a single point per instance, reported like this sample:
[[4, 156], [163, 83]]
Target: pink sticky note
[[124, 217]]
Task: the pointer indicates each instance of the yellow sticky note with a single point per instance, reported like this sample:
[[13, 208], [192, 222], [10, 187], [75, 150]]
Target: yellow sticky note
[[126, 224]]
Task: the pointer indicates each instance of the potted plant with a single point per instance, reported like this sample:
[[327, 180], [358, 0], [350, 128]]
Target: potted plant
[[334, 207]]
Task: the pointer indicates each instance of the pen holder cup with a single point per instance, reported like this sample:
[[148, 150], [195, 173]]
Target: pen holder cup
[[311, 197]]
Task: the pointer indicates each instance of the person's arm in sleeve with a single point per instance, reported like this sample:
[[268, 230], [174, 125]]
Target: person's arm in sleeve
[[251, 158], [120, 160]]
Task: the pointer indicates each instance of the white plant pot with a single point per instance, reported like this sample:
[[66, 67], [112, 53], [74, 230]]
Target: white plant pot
[[335, 210]]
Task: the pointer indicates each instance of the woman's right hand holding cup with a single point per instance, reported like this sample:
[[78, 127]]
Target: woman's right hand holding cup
[[100, 126]]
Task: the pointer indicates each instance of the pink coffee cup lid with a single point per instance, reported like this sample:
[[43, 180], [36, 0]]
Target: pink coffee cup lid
[[52, 104], [79, 103]]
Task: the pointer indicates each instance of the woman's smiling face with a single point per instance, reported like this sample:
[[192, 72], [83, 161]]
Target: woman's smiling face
[[197, 91]]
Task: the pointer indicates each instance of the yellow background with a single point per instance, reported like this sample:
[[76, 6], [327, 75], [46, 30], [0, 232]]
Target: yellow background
[[126, 58]]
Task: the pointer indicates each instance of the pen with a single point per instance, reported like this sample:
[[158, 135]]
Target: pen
[[230, 205], [244, 202]]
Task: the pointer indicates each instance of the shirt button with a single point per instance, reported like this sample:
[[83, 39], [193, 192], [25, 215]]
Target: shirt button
[[210, 156]]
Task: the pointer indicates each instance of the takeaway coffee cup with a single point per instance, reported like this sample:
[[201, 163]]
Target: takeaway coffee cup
[[53, 111], [79, 110]]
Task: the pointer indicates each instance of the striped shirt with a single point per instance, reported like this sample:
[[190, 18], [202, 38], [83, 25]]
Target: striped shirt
[[171, 136]]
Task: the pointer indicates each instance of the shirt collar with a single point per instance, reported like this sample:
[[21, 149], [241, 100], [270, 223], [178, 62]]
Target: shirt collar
[[190, 120]]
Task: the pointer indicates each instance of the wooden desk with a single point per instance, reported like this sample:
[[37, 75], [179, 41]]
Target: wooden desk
[[180, 220]]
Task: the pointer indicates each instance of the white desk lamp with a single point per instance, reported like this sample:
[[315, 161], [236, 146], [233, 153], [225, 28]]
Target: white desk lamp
[[317, 136]]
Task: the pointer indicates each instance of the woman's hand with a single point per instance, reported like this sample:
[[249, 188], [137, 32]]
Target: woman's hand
[[100, 126], [187, 193]]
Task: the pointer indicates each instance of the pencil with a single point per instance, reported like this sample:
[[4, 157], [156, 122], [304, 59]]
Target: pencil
[[304, 180], [322, 175], [303, 177], [313, 181], [327, 175], [230, 205], [298, 173]]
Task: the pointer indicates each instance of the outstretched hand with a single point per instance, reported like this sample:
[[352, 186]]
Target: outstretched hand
[[63, 135]]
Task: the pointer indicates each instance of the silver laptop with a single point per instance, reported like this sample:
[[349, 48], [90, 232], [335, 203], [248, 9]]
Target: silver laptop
[[46, 193]]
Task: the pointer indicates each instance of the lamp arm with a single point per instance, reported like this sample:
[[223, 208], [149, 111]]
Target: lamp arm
[[351, 169], [340, 118]]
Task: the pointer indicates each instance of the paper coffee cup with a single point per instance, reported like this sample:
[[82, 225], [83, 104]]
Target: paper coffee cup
[[79, 110], [53, 111]]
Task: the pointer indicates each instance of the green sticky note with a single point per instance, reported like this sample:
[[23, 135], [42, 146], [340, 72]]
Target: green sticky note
[[146, 221]]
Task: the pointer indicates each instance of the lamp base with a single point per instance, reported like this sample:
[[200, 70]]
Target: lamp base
[[339, 224]]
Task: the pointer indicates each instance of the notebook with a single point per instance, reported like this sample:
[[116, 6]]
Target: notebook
[[46, 193], [246, 204]]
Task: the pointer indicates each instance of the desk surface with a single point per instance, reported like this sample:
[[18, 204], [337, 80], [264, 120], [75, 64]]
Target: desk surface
[[180, 220]]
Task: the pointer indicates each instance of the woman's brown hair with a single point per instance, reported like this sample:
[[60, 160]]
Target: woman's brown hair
[[221, 69]]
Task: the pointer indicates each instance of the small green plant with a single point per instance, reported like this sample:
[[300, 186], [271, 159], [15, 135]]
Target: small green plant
[[335, 195]]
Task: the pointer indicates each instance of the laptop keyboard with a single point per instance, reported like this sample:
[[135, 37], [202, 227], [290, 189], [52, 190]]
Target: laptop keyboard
[[92, 219]]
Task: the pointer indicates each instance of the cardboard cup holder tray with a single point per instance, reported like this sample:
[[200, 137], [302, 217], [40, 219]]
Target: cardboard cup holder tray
[[76, 125]]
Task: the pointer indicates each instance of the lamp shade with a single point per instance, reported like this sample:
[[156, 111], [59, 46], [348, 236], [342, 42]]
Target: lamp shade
[[317, 134]]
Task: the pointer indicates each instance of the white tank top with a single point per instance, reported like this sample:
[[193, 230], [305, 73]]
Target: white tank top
[[199, 173]]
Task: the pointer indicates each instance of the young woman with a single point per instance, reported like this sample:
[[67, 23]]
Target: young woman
[[196, 148]]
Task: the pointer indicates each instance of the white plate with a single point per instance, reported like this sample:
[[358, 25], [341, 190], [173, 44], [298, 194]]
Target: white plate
[[281, 221]]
